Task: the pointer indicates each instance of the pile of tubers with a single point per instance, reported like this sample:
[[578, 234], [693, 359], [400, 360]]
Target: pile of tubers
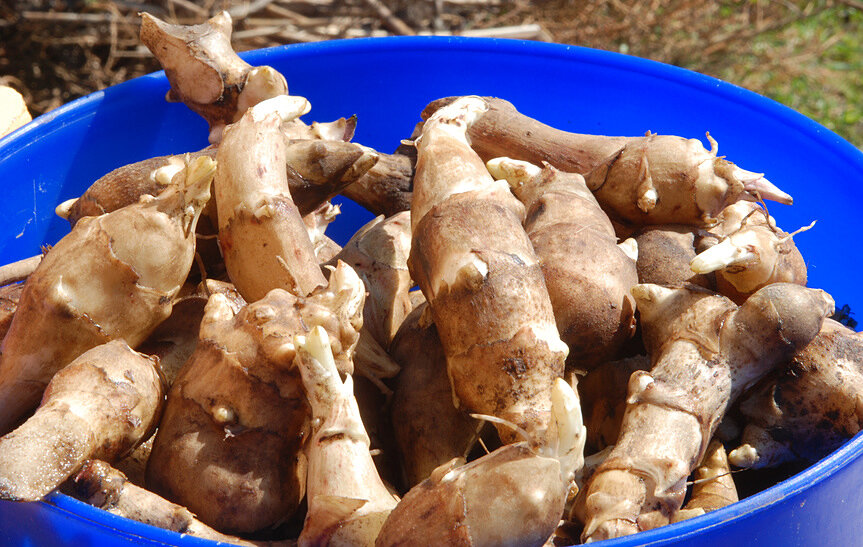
[[605, 329]]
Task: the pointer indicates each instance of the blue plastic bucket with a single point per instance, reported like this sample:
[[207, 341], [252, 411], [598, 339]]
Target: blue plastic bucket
[[386, 83]]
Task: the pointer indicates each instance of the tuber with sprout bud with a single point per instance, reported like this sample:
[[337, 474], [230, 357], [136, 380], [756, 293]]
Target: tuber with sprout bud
[[204, 71], [229, 443], [512, 496], [264, 242], [112, 277], [101, 405], [476, 267], [347, 500], [587, 275], [316, 171], [654, 179], [705, 351], [751, 253], [809, 408]]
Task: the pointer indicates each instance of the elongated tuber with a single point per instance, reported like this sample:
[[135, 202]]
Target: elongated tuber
[[101, 405], [587, 275], [429, 429], [655, 179], [112, 277], [107, 488], [476, 266], [263, 239], [713, 486], [348, 501], [705, 351]]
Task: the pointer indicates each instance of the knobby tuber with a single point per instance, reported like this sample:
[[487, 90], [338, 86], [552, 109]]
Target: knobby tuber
[[229, 443], [264, 242], [112, 277], [808, 408], [512, 496], [587, 275], [348, 502], [204, 71], [655, 179], [704, 351], [476, 267], [101, 405], [751, 254]]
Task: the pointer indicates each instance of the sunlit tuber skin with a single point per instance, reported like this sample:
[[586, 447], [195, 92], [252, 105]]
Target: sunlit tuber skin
[[637, 180], [109, 489], [587, 275], [379, 252], [428, 429], [229, 446], [113, 277], [476, 266], [264, 242], [751, 254], [664, 255], [512, 496], [386, 188], [348, 502], [705, 352], [809, 408], [100, 405], [603, 399], [713, 486], [204, 71]]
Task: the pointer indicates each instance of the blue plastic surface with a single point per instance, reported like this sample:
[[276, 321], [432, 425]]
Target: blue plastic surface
[[387, 82]]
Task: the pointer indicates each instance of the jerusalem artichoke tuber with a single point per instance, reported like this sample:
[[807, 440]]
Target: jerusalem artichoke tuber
[[655, 179], [229, 443], [587, 275], [113, 276], [705, 351], [809, 408], [101, 405], [512, 496], [348, 501], [477, 268], [264, 242]]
